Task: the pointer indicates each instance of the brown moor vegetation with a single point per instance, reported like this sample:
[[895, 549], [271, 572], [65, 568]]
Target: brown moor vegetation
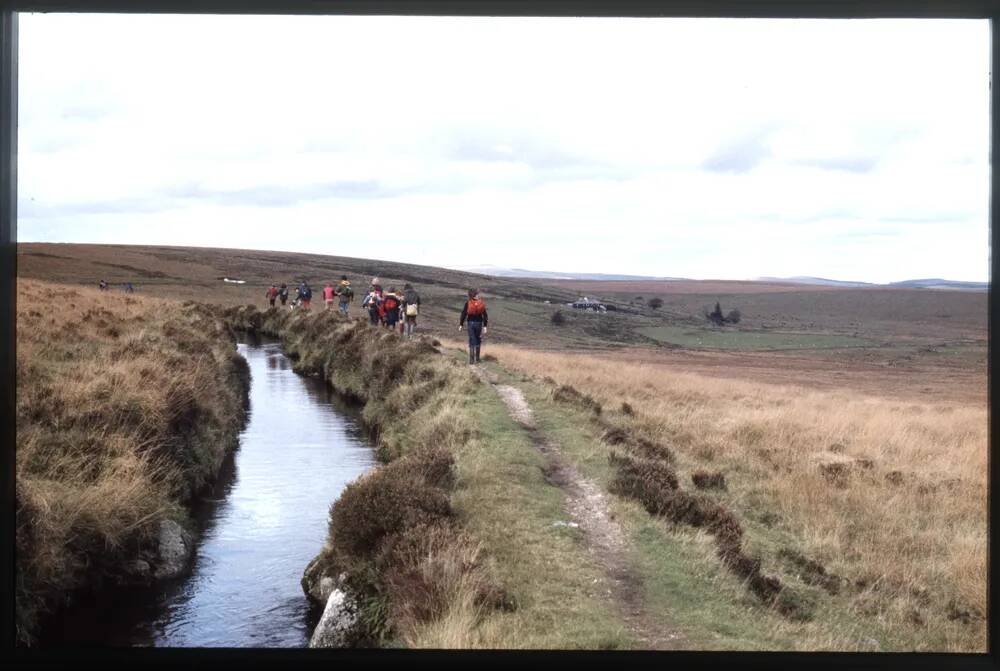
[[889, 497], [126, 406]]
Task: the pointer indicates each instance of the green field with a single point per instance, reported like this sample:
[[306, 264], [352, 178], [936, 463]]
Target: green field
[[699, 338]]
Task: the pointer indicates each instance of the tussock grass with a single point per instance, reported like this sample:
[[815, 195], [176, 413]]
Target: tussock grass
[[125, 407], [903, 522]]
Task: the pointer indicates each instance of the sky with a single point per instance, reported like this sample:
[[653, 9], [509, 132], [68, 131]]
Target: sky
[[700, 148]]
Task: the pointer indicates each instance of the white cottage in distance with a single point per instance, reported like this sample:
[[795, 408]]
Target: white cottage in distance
[[587, 303]]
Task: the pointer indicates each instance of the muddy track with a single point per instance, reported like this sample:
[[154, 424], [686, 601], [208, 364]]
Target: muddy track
[[588, 507]]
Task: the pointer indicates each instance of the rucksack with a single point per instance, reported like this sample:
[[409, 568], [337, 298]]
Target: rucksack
[[475, 307], [307, 293], [390, 302], [346, 290]]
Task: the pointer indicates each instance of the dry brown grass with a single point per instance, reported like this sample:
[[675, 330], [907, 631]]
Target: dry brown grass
[[903, 517], [125, 405]]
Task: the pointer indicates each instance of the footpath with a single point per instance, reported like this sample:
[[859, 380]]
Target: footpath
[[603, 537]]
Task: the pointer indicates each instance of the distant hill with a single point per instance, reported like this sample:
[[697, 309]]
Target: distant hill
[[822, 281], [942, 284], [905, 284], [498, 271]]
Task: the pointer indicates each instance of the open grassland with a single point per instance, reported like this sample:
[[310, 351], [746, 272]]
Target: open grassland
[[125, 406], [888, 496], [730, 339], [897, 326]]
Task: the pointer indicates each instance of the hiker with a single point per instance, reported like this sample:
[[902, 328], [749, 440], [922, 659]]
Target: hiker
[[411, 307], [129, 288], [283, 294], [305, 295], [376, 287], [328, 296], [345, 292], [372, 302], [475, 311], [271, 294], [390, 309], [103, 286]]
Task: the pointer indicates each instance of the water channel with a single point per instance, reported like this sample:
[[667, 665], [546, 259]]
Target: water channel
[[261, 523]]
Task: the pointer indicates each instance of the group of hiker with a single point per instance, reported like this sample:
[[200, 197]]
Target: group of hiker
[[388, 308], [384, 308]]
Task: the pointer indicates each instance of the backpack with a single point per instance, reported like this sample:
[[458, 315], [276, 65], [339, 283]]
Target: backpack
[[390, 302], [411, 309], [307, 294], [346, 290], [283, 291], [475, 307]]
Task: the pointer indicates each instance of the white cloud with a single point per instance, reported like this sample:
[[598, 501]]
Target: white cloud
[[702, 148]]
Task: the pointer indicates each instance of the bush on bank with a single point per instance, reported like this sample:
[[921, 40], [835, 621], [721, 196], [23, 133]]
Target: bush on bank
[[125, 408]]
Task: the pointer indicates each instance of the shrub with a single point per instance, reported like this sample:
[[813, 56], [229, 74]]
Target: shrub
[[706, 480], [655, 303], [569, 394], [651, 483], [733, 317], [381, 503], [557, 318]]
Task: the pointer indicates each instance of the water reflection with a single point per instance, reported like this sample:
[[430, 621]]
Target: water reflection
[[261, 523]]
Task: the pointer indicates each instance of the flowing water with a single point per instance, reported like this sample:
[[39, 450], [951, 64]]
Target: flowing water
[[261, 523]]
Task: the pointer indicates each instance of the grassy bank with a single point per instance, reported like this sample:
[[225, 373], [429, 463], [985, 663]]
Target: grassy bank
[[126, 406], [874, 509]]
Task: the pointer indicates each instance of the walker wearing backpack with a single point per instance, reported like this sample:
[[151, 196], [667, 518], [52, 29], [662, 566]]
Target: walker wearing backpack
[[390, 308], [372, 303], [411, 308], [474, 311], [346, 294], [305, 293]]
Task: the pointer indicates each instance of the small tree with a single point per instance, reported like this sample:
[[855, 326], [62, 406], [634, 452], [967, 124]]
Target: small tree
[[715, 316], [733, 317], [557, 318], [655, 303]]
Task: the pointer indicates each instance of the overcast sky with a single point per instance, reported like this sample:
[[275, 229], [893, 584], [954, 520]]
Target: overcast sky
[[703, 148]]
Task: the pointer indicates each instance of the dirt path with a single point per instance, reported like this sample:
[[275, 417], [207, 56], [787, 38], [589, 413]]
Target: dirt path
[[604, 538]]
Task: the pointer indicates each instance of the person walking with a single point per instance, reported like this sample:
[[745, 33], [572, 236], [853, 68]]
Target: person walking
[[474, 311], [103, 285], [305, 294], [376, 288], [271, 294], [411, 307], [328, 296], [346, 294], [371, 304], [283, 295], [390, 308]]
